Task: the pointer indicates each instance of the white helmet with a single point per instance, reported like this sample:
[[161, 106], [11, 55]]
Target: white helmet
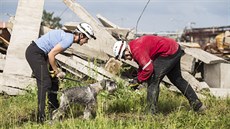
[[86, 29], [119, 48]]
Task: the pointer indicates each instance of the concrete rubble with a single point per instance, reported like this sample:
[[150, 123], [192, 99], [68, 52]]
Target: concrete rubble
[[205, 71]]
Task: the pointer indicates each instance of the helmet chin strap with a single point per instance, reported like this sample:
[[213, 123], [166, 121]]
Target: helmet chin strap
[[79, 38]]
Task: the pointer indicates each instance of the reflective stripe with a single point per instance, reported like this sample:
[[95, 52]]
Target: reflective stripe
[[147, 65], [119, 52]]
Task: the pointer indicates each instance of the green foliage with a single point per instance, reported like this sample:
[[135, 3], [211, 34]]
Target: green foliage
[[125, 109], [50, 21]]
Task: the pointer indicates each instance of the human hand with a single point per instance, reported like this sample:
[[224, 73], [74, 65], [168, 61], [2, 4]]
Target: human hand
[[134, 83], [60, 75]]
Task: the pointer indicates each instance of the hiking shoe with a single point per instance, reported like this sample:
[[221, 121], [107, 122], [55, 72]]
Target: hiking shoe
[[202, 108], [198, 106]]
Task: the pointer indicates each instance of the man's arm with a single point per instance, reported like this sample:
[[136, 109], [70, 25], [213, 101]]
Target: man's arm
[[145, 66]]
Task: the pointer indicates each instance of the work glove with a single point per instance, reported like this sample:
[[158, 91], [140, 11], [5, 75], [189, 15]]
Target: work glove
[[52, 74], [60, 74], [134, 83]]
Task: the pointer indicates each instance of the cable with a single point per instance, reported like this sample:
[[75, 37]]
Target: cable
[[63, 11], [141, 14]]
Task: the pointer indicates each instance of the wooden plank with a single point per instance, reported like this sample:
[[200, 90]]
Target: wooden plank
[[79, 66], [26, 28], [204, 56], [98, 70], [87, 68], [85, 51]]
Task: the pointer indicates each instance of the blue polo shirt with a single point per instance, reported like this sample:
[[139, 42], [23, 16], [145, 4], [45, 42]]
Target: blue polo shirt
[[52, 38]]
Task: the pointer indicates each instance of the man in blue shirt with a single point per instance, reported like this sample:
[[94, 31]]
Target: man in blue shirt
[[41, 53]]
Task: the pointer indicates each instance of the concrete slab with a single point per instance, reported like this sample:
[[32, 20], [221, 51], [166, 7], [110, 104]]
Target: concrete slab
[[15, 84], [26, 28], [217, 75]]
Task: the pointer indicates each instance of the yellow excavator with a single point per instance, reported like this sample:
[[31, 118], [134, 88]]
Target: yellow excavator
[[223, 41]]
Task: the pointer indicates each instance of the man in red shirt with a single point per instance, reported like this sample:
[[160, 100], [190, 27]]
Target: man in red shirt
[[157, 56]]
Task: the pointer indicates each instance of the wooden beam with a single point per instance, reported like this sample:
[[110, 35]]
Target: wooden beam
[[87, 68], [78, 64], [86, 51]]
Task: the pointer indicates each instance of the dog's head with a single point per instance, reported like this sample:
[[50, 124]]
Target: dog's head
[[108, 85]]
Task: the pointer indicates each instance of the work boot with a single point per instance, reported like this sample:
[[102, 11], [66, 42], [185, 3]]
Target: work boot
[[40, 119], [197, 106]]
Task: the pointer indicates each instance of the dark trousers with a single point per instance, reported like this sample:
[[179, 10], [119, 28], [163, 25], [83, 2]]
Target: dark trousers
[[38, 62], [169, 66]]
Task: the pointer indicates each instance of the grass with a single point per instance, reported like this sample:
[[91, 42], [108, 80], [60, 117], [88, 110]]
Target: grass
[[125, 109]]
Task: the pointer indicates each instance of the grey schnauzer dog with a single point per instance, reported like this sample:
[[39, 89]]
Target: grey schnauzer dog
[[85, 95]]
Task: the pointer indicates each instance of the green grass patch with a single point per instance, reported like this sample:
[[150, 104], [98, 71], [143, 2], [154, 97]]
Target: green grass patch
[[125, 109]]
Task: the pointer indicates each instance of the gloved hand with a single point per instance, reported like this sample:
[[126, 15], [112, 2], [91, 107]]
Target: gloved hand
[[52, 74], [61, 75], [134, 83]]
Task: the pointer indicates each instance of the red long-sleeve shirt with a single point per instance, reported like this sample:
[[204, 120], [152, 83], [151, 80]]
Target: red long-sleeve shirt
[[147, 48]]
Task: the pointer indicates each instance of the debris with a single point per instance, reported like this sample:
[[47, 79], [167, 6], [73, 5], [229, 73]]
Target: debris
[[95, 59]]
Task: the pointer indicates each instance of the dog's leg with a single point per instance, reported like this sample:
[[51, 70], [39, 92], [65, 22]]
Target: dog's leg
[[89, 110], [61, 110]]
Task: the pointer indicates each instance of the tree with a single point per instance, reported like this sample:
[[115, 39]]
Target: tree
[[50, 21]]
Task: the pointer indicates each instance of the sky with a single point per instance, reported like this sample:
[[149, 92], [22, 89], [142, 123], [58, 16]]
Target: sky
[[159, 15]]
